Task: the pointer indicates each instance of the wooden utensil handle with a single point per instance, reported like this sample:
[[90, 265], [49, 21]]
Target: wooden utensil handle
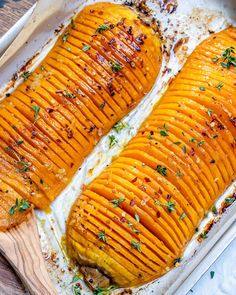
[[21, 247]]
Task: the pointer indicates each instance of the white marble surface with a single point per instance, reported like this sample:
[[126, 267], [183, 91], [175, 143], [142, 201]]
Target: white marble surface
[[224, 280]]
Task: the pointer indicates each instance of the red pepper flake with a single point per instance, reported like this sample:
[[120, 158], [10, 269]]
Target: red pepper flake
[[49, 110], [147, 179], [158, 214], [34, 133], [192, 152], [123, 219], [132, 203], [134, 180]]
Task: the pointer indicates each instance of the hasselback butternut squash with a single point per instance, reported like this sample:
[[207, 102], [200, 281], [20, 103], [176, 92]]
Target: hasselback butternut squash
[[99, 69], [135, 220]]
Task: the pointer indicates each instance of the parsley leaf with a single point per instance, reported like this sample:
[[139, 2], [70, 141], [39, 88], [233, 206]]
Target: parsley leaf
[[102, 28], [86, 47], [36, 110], [162, 170], [183, 215], [229, 60], [21, 206], [102, 236], [120, 126], [104, 291], [136, 245], [26, 75], [116, 66], [65, 36], [219, 86], [112, 140], [116, 202], [163, 133]]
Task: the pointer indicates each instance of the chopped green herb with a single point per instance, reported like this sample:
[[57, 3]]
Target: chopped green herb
[[102, 236], [136, 245], [104, 291], [200, 143], [115, 66], [215, 59], [75, 279], [136, 216], [170, 206], [136, 231], [184, 149], [72, 23], [26, 75], [214, 210], [179, 173], [65, 36], [21, 206], [202, 88], [76, 290], [163, 133], [75, 287], [19, 142], [112, 140], [229, 60], [192, 139], [219, 86], [117, 202], [120, 126], [229, 201], [212, 273], [130, 224], [102, 105], [102, 28], [68, 94], [209, 112], [86, 47], [183, 215], [203, 235], [36, 110], [24, 166], [177, 142], [162, 170]]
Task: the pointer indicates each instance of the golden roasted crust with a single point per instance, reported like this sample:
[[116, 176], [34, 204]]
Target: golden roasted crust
[[100, 68], [135, 219]]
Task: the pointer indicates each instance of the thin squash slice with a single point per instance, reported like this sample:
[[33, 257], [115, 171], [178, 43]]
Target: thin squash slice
[[103, 64], [134, 221]]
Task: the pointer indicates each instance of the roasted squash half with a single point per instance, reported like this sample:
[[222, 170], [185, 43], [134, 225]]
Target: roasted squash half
[[134, 221], [100, 68]]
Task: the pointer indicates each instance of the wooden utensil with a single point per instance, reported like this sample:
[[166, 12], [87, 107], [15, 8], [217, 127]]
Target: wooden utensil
[[43, 11], [21, 247]]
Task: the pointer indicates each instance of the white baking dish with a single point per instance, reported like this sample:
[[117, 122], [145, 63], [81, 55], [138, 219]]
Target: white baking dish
[[191, 22]]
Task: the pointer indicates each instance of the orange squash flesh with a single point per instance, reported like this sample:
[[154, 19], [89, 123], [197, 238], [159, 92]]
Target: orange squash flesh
[[99, 69], [157, 191]]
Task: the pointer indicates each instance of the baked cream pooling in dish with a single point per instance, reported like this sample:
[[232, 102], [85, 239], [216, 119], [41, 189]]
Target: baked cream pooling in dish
[[134, 221], [100, 68]]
